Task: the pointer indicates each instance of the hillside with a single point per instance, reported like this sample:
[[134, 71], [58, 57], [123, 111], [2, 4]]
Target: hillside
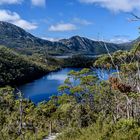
[[18, 39], [88, 46], [15, 68], [129, 45], [22, 41]]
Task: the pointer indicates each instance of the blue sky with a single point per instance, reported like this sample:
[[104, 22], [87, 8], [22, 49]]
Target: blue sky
[[56, 19]]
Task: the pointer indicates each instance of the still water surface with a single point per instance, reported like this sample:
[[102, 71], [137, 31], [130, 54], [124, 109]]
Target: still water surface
[[42, 89]]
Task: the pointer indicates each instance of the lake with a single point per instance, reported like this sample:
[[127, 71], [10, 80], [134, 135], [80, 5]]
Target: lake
[[42, 89]]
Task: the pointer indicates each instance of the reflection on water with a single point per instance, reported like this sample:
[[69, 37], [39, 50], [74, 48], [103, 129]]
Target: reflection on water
[[43, 88]]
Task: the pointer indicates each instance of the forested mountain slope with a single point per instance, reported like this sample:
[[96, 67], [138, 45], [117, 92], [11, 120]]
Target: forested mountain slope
[[15, 37], [87, 46], [15, 68], [23, 42]]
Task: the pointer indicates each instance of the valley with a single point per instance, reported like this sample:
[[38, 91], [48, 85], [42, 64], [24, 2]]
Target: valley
[[78, 88], [42, 56]]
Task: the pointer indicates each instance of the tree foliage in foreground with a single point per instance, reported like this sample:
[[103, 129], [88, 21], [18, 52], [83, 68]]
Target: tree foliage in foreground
[[87, 108], [116, 101]]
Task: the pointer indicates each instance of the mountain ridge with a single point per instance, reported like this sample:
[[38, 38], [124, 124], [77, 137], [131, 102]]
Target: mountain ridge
[[87, 44], [20, 40]]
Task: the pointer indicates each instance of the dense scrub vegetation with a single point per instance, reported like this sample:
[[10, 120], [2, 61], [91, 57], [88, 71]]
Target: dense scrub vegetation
[[78, 61], [15, 68], [87, 108], [119, 58]]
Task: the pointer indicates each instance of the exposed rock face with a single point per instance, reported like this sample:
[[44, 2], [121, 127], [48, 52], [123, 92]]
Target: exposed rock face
[[87, 46]]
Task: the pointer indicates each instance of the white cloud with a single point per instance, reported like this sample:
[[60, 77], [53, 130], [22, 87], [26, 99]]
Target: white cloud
[[82, 21], [10, 1], [61, 27], [51, 38], [14, 18], [117, 39], [120, 39], [34, 2], [116, 5], [38, 2]]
